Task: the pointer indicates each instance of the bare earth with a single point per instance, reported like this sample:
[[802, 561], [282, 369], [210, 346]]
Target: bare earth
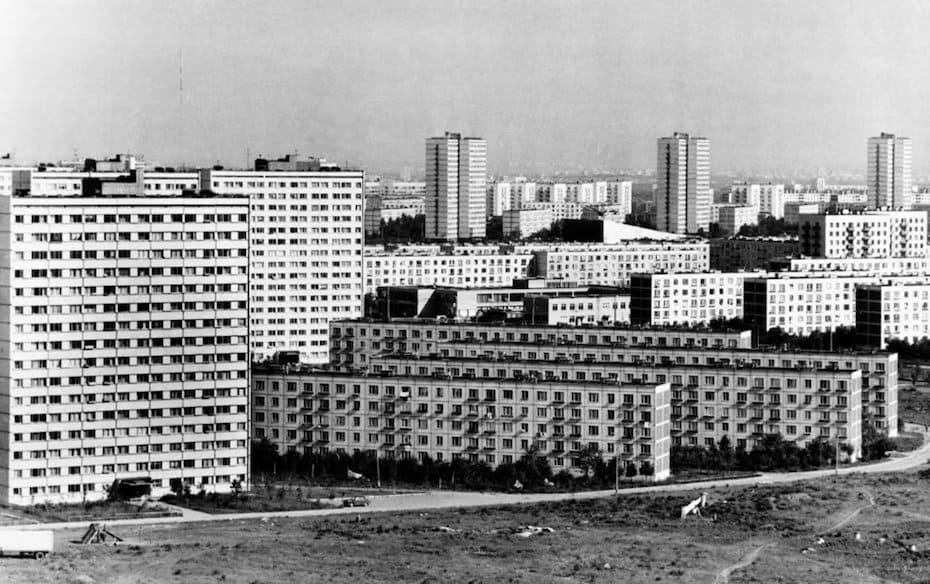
[[746, 534]]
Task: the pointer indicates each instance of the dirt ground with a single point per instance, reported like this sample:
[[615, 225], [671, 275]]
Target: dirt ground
[[745, 535]]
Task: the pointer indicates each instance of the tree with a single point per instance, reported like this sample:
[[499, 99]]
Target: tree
[[177, 486], [404, 229], [587, 458], [264, 456], [646, 469], [725, 448], [631, 471]]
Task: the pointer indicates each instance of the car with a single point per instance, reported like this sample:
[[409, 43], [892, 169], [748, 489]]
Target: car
[[356, 502]]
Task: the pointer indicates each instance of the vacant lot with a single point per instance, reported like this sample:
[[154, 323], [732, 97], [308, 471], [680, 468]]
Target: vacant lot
[[641, 539]]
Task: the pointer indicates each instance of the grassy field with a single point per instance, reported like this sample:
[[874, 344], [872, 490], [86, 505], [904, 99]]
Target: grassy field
[[270, 499], [641, 539]]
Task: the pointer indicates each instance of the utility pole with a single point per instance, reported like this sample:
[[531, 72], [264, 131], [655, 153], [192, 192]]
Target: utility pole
[[378, 467]]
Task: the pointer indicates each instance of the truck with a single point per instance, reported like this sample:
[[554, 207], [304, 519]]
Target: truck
[[37, 543]]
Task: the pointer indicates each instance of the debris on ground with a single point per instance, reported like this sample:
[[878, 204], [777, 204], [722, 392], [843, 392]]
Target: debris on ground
[[531, 530], [447, 529]]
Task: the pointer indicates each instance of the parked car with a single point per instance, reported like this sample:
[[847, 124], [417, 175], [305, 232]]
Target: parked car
[[356, 502]]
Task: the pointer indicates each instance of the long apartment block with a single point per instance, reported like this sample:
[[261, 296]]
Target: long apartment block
[[124, 341], [492, 420], [356, 344], [742, 402]]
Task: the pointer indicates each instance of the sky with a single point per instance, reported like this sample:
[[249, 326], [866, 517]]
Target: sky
[[780, 86]]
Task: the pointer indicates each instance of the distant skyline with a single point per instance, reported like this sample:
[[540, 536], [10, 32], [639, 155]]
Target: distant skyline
[[778, 87]]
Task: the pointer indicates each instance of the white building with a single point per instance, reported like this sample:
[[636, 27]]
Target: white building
[[768, 198], [478, 265], [899, 311], [456, 187], [732, 217], [125, 338], [801, 304], [686, 298], [888, 172], [620, 192], [306, 245], [380, 208], [499, 198], [613, 264], [864, 234], [683, 197], [525, 222]]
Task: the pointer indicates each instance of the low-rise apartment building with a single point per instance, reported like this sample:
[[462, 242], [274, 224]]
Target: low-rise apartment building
[[887, 234], [898, 311], [445, 417], [686, 299], [733, 254], [614, 264], [357, 343], [461, 266]]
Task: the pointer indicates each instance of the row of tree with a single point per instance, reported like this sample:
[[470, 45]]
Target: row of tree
[[773, 453], [532, 471]]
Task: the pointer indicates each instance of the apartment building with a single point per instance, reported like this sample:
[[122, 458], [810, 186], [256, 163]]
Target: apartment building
[[769, 198], [126, 341], [683, 195], [491, 420], [750, 253], [456, 187], [613, 264], [606, 309], [730, 218], [462, 266], [464, 303], [889, 234], [802, 304], [888, 171], [380, 208], [685, 299], [357, 343], [524, 222], [853, 266], [898, 311], [307, 246]]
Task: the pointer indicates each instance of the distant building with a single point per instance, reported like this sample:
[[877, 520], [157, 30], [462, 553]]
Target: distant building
[[380, 208], [749, 253], [594, 308], [768, 198], [456, 187], [794, 211], [523, 223], [683, 196], [733, 217], [888, 172], [864, 234]]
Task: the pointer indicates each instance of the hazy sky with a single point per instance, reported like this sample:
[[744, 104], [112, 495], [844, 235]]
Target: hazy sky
[[550, 85]]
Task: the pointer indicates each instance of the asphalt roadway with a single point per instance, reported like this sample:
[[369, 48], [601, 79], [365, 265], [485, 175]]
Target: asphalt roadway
[[431, 500]]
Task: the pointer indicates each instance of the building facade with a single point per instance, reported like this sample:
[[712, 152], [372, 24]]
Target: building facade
[[876, 234], [683, 197], [888, 172], [307, 246], [750, 253], [447, 417], [614, 264], [456, 187], [126, 343], [899, 311], [686, 299]]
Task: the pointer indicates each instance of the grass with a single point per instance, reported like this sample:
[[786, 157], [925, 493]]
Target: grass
[[268, 499], [639, 540], [914, 406], [91, 511]]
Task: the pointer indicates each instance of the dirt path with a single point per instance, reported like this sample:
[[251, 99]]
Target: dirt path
[[848, 517], [724, 576]]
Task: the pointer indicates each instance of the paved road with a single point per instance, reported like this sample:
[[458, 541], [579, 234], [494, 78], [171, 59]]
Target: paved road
[[452, 499]]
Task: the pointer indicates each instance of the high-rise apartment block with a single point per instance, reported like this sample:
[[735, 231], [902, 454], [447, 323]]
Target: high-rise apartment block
[[683, 196], [306, 245], [124, 337], [456, 187], [888, 172]]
